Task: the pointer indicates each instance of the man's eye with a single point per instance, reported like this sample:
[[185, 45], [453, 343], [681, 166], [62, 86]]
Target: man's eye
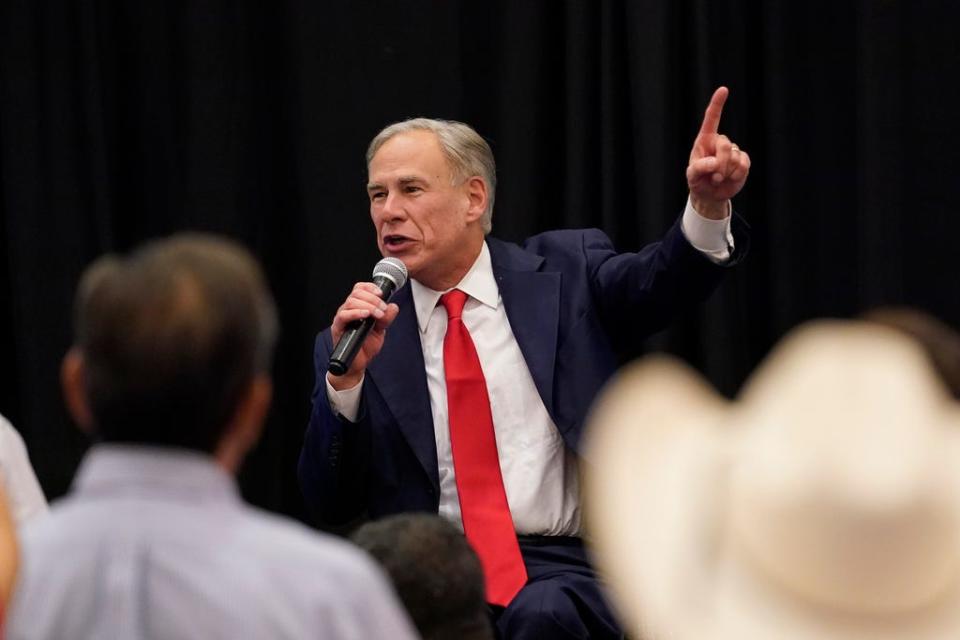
[[413, 189], [378, 195]]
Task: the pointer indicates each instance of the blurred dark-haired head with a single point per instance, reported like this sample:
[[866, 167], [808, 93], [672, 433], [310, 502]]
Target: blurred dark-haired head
[[171, 338], [435, 573]]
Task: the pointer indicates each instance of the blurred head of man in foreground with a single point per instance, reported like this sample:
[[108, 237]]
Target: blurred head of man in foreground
[[173, 346]]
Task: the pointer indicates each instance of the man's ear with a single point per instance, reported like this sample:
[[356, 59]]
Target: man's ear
[[243, 432], [478, 195], [73, 383]]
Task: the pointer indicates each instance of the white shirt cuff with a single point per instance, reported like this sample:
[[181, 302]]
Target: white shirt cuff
[[712, 238], [345, 403]]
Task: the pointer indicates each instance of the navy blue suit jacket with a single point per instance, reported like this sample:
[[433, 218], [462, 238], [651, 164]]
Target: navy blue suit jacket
[[575, 306]]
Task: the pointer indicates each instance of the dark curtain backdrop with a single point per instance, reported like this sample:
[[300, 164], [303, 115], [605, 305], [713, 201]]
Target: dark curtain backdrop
[[122, 121]]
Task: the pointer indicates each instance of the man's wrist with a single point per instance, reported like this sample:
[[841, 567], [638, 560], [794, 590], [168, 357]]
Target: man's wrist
[[710, 209], [346, 381], [344, 402], [712, 238]]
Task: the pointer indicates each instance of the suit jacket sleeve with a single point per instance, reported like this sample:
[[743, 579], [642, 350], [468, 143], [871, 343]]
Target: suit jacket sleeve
[[637, 294], [335, 454]]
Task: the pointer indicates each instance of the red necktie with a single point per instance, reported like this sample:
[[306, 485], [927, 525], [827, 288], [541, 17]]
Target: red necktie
[[483, 501]]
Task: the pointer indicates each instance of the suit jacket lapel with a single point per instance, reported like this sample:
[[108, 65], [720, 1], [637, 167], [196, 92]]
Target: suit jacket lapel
[[532, 301], [399, 373]]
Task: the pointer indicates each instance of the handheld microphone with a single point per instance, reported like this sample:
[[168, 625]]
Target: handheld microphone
[[389, 275]]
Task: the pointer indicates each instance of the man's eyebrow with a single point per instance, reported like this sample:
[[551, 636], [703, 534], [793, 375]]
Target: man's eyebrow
[[403, 180]]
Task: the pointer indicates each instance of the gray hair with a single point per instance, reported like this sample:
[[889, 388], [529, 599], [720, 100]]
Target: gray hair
[[467, 153]]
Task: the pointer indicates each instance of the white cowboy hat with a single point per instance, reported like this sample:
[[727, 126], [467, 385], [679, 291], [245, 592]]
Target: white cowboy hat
[[824, 503]]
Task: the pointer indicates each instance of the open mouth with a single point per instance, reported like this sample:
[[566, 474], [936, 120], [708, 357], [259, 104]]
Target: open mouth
[[395, 243]]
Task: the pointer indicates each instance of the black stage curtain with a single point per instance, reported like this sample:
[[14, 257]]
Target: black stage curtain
[[122, 121]]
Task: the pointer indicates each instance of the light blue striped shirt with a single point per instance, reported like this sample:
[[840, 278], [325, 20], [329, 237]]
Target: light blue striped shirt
[[157, 544]]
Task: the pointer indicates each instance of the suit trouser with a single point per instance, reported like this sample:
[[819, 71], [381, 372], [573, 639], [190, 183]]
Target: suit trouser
[[562, 597]]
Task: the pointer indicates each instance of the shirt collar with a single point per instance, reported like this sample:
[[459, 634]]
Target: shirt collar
[[113, 468], [479, 283]]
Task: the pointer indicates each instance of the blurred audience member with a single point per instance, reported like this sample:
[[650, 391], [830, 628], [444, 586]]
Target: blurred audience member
[[25, 497], [434, 571], [823, 503], [170, 374], [941, 342]]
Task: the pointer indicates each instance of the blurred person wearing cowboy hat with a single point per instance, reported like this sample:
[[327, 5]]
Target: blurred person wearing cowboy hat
[[823, 503]]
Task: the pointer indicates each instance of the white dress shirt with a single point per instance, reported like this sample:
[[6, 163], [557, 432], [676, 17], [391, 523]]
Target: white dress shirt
[[540, 475]]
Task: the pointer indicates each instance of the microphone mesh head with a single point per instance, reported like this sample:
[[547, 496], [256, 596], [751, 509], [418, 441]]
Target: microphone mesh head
[[391, 268]]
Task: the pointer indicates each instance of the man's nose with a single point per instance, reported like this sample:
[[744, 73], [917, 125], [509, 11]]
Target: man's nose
[[392, 208]]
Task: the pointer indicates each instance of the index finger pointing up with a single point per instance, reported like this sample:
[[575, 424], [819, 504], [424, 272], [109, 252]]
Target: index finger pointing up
[[711, 117]]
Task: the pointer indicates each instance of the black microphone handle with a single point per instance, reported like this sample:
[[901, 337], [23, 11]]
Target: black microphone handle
[[350, 342], [355, 333]]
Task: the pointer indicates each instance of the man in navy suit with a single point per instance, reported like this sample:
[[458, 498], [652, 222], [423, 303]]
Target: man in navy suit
[[549, 320]]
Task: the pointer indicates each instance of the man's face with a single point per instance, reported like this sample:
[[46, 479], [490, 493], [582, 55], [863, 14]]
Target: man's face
[[420, 216]]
